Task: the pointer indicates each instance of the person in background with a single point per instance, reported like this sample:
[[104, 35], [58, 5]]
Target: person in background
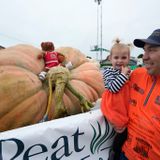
[[115, 78], [1, 47], [140, 60], [143, 141]]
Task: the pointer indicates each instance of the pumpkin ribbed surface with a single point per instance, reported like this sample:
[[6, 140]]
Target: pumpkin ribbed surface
[[24, 97]]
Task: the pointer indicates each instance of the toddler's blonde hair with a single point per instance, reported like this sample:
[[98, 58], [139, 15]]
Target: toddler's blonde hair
[[118, 44]]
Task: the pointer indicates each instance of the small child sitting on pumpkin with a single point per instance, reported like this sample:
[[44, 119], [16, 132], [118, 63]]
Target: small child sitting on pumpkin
[[51, 58]]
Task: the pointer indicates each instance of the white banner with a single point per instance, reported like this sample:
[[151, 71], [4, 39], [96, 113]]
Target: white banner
[[86, 136]]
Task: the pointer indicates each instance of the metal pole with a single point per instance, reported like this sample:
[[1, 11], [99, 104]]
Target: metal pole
[[101, 51], [97, 31], [99, 25]]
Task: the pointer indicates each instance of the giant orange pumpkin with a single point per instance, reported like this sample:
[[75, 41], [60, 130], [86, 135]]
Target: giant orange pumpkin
[[24, 97]]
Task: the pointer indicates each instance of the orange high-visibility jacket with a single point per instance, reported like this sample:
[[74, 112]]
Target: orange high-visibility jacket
[[143, 142]]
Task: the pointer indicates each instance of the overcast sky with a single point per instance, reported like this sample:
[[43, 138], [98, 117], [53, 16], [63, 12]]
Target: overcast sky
[[74, 22]]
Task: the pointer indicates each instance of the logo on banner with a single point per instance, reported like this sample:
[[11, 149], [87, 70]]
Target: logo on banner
[[63, 147], [100, 138]]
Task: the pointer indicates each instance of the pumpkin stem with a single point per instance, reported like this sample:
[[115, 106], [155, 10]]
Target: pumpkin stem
[[45, 117], [60, 110], [59, 76], [85, 104]]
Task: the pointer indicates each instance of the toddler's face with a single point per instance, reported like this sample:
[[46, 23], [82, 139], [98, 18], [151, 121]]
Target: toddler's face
[[119, 57]]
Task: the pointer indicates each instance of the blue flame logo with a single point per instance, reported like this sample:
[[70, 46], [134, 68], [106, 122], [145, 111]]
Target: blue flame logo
[[100, 138]]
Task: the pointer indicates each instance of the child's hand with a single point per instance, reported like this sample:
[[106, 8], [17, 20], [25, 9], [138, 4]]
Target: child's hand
[[126, 70]]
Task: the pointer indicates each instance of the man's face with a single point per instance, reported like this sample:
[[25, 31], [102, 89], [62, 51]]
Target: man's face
[[151, 59]]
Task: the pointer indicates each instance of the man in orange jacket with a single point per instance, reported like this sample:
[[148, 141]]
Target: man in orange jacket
[[143, 142]]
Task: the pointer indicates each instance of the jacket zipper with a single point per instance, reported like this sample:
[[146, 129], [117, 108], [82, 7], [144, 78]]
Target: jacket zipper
[[151, 89]]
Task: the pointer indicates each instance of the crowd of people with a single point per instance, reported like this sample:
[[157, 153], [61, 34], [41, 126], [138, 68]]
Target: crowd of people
[[131, 100]]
